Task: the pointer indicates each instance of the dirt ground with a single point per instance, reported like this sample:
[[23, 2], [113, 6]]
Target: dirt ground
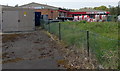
[[38, 50]]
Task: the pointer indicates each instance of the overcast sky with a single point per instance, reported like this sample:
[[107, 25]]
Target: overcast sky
[[73, 4]]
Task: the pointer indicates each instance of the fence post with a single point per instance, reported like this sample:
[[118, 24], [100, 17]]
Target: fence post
[[118, 55], [49, 27], [43, 24], [59, 31], [88, 42]]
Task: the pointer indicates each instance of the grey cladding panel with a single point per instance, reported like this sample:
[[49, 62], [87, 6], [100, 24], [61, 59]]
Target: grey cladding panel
[[0, 18], [26, 20], [10, 21], [17, 19]]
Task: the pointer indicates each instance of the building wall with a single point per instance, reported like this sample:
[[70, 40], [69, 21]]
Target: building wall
[[10, 21], [69, 15], [0, 37], [52, 14], [27, 22], [62, 14], [0, 18], [55, 14]]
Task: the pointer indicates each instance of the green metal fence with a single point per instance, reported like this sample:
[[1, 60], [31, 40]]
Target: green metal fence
[[105, 49]]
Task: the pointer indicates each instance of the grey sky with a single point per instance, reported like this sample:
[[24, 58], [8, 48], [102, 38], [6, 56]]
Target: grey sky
[[64, 3]]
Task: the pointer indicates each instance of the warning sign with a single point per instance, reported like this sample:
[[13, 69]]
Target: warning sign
[[25, 13]]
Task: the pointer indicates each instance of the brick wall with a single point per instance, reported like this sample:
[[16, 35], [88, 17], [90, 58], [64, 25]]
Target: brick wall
[[52, 14]]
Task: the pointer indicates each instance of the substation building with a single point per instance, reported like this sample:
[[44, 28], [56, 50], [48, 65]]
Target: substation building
[[14, 19]]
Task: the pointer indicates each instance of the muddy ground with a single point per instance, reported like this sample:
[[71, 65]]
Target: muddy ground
[[39, 50]]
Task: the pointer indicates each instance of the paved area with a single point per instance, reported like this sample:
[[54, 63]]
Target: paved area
[[31, 51]]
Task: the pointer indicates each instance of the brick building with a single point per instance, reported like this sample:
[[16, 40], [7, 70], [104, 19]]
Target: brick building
[[52, 14], [51, 11]]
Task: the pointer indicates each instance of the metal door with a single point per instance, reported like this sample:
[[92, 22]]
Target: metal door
[[10, 21], [26, 20], [37, 18]]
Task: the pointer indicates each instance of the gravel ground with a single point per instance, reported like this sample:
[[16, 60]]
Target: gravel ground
[[38, 51]]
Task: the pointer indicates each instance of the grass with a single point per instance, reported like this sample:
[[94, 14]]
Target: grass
[[107, 29], [103, 39]]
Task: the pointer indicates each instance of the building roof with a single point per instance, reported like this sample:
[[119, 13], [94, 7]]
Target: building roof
[[38, 6], [88, 10], [5, 6]]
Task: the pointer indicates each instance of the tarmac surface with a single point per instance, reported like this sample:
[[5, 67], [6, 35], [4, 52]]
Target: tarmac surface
[[31, 51]]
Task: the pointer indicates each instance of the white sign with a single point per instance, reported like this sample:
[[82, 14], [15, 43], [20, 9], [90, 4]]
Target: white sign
[[38, 7], [25, 13]]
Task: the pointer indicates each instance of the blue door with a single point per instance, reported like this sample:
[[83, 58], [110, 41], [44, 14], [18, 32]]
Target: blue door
[[37, 18]]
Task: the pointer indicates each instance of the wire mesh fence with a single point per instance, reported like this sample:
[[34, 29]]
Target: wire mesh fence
[[104, 49]]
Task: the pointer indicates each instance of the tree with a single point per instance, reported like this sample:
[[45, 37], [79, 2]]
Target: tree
[[86, 8], [118, 10], [114, 10], [104, 8], [16, 5]]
